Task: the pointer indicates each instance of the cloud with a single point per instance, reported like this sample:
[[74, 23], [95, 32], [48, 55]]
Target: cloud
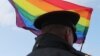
[[7, 14]]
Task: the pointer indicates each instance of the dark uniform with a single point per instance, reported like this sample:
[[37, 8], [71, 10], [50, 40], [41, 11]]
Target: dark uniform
[[51, 45]]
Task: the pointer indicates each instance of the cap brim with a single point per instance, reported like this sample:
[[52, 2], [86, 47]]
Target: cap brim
[[57, 17]]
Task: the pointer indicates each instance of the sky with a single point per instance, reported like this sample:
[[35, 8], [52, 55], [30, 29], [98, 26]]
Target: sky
[[15, 41]]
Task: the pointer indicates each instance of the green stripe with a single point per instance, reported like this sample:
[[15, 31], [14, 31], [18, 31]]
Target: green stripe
[[26, 14], [85, 31], [81, 28]]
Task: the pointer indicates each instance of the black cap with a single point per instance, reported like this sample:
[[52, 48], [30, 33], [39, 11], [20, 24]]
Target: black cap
[[67, 18]]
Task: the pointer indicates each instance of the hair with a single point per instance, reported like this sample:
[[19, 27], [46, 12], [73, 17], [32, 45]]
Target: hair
[[59, 30]]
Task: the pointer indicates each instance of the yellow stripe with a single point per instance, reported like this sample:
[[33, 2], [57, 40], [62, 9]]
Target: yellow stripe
[[83, 21], [33, 10]]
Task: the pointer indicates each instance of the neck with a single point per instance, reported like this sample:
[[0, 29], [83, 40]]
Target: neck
[[60, 35], [53, 39]]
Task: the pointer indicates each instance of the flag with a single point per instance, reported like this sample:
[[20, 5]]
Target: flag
[[28, 10]]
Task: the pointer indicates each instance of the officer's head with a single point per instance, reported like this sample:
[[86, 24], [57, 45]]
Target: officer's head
[[61, 23]]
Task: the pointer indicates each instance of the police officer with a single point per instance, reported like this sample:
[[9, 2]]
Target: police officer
[[58, 34]]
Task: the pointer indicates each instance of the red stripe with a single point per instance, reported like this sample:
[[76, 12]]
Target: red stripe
[[71, 6], [65, 5]]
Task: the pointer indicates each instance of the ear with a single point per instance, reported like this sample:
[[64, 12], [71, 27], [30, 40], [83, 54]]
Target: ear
[[70, 36], [67, 33]]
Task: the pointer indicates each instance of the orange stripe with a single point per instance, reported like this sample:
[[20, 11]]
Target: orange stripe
[[44, 5], [84, 13]]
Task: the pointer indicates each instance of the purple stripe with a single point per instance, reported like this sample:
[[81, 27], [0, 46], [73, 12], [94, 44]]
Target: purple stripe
[[19, 21]]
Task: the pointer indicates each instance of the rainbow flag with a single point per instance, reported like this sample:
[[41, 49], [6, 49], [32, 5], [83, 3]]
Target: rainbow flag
[[28, 10]]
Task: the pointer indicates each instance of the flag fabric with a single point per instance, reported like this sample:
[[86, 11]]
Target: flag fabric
[[28, 10]]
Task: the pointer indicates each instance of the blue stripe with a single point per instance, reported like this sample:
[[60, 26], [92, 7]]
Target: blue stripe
[[80, 34]]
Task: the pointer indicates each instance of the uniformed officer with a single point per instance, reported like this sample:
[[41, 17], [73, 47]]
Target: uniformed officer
[[58, 34]]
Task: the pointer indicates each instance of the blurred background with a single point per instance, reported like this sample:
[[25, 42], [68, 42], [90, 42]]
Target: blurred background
[[16, 41]]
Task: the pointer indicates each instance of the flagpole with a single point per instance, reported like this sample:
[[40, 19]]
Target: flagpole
[[81, 47], [82, 44]]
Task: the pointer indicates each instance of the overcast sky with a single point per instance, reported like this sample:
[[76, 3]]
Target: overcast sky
[[16, 41]]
